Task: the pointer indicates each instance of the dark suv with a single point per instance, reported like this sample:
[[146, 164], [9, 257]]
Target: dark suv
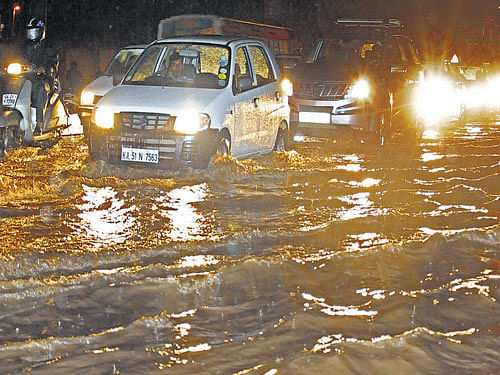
[[358, 77]]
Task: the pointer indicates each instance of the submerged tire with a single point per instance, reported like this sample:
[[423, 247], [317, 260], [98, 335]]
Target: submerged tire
[[380, 128], [10, 139], [281, 141], [222, 147]]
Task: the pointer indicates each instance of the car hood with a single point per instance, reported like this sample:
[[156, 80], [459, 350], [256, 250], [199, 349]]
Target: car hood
[[325, 71], [160, 99], [100, 86]]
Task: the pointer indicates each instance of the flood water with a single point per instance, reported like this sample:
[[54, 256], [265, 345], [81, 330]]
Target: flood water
[[326, 259]]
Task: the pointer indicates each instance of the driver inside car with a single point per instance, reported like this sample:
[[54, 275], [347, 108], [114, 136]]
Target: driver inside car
[[178, 71]]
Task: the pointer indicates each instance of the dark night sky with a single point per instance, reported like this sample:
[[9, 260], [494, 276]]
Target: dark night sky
[[135, 21], [120, 22]]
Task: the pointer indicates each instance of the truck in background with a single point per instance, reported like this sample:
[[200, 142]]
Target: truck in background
[[282, 40]]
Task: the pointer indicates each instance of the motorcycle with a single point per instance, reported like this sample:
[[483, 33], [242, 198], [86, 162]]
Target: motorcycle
[[18, 118]]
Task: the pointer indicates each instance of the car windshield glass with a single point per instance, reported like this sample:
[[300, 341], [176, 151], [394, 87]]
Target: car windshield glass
[[350, 52], [182, 64], [122, 61]]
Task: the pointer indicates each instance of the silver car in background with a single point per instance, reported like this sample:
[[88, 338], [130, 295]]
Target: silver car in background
[[113, 73]]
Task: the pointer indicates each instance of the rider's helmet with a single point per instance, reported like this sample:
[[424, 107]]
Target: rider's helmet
[[35, 30]]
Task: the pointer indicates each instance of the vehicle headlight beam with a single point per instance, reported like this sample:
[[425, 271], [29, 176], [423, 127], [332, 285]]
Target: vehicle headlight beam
[[191, 122]]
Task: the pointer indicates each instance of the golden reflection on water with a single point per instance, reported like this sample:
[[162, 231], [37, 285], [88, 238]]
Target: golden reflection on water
[[326, 344], [104, 217], [362, 206], [186, 222], [430, 134], [430, 156]]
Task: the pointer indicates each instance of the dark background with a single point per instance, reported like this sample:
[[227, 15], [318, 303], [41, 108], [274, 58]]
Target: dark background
[[439, 27]]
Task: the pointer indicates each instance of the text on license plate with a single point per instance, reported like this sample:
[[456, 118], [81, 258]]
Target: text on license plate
[[140, 155], [9, 99]]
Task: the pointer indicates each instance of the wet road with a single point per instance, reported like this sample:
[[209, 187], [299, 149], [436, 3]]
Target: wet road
[[329, 258]]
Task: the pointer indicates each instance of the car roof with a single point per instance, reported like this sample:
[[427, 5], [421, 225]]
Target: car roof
[[135, 46], [219, 39]]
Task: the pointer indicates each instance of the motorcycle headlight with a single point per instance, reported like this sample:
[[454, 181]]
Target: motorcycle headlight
[[87, 98], [14, 68], [359, 90], [104, 118], [191, 122]]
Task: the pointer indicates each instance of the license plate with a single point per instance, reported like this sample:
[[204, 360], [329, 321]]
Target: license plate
[[9, 99], [140, 155], [315, 117]]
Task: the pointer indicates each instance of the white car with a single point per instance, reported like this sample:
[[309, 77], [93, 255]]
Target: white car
[[115, 70], [188, 98]]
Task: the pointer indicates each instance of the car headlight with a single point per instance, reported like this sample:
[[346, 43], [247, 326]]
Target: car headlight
[[87, 98], [493, 88], [104, 118], [191, 122], [436, 99], [287, 87], [359, 90], [474, 97]]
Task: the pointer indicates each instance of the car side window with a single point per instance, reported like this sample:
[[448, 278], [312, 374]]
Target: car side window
[[149, 61], [263, 69], [408, 50], [242, 78]]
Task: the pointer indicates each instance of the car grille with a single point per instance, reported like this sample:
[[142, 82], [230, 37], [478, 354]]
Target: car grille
[[320, 90], [146, 121], [166, 147]]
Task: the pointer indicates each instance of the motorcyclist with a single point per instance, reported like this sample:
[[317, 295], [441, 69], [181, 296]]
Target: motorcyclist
[[46, 62]]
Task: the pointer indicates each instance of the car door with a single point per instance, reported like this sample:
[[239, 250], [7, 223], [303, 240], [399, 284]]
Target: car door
[[269, 102], [246, 107], [409, 57], [397, 70]]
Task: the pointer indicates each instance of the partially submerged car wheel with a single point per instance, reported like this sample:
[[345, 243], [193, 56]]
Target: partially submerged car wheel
[[380, 128], [222, 148], [281, 141]]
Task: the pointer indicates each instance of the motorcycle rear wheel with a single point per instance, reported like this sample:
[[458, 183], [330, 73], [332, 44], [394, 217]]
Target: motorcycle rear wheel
[[10, 139]]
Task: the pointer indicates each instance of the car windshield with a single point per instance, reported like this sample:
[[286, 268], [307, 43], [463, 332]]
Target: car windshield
[[182, 64], [122, 61], [339, 51]]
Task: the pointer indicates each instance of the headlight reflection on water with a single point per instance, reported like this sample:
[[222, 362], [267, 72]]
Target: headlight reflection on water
[[104, 217], [186, 223]]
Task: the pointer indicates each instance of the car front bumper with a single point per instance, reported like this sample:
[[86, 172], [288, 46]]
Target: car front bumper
[[329, 117], [173, 150]]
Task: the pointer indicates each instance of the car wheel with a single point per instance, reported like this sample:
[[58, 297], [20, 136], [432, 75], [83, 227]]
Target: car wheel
[[380, 128], [223, 146], [280, 143]]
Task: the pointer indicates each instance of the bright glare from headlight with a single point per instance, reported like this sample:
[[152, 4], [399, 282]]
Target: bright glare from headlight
[[360, 89], [191, 122], [287, 86], [87, 98], [474, 97], [493, 91], [436, 99], [104, 118], [14, 68]]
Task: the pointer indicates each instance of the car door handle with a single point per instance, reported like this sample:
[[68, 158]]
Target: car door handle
[[256, 101]]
